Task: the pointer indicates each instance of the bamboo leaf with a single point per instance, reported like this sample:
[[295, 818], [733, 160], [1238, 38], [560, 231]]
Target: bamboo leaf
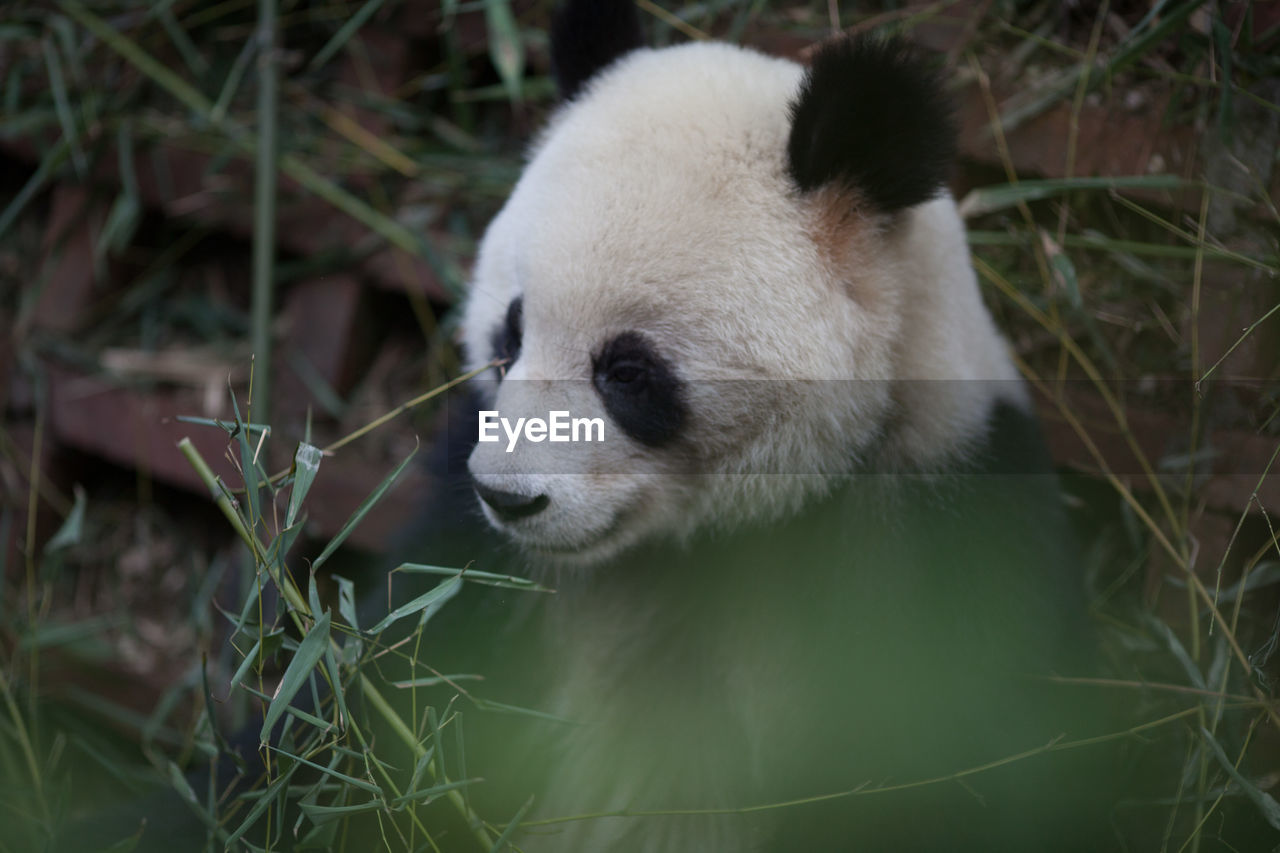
[[984, 200], [1266, 804], [362, 784], [344, 33], [320, 814], [306, 463], [505, 837], [433, 791], [264, 802], [310, 650], [347, 600], [427, 603], [506, 49], [62, 103], [361, 511], [72, 528], [473, 576]]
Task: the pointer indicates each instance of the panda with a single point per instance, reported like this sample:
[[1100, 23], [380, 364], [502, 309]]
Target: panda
[[814, 581]]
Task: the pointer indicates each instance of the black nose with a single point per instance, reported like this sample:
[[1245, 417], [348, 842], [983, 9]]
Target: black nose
[[510, 505]]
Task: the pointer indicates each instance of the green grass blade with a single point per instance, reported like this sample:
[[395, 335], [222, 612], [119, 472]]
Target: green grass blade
[[512, 826], [191, 97], [186, 47], [437, 596], [361, 511], [48, 165], [72, 528], [419, 768], [248, 468], [232, 84], [264, 802], [245, 664], [1266, 804], [229, 429], [473, 576], [310, 719], [362, 784], [347, 600], [62, 103], [310, 650], [180, 784], [506, 49], [320, 814], [344, 34], [435, 680], [306, 463], [393, 232], [339, 693], [984, 200], [433, 791]]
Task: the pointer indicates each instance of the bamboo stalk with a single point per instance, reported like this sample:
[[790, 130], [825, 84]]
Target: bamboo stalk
[[264, 204]]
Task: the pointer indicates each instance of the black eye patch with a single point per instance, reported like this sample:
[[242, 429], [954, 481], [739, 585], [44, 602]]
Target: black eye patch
[[507, 337], [640, 390]]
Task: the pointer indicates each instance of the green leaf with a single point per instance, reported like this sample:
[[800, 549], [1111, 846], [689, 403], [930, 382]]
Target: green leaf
[[249, 469], [420, 767], [306, 462], [320, 814], [985, 200], [125, 845], [435, 680], [313, 594], [437, 596], [362, 784], [72, 528], [62, 103], [1263, 574], [362, 511], [243, 669], [310, 650], [183, 787], [229, 429], [433, 791], [505, 837], [338, 694], [473, 576], [1064, 271], [506, 49], [1266, 804], [264, 802], [347, 600], [310, 719], [344, 33]]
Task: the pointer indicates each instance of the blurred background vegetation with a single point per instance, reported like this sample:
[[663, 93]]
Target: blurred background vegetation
[[1118, 175]]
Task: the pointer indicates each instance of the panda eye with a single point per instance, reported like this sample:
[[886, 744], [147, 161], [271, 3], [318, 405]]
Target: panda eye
[[628, 373], [640, 389], [508, 337]]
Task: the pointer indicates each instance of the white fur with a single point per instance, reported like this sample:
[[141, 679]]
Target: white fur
[[658, 201]]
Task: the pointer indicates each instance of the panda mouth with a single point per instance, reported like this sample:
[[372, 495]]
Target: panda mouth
[[587, 549]]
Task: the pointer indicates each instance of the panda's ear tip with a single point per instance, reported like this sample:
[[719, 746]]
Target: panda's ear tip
[[872, 114], [587, 36]]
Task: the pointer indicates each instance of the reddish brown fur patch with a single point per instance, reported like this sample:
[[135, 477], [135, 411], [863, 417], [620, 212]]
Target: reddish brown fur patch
[[848, 234]]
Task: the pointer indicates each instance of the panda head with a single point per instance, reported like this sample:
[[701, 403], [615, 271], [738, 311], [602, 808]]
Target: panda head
[[743, 268]]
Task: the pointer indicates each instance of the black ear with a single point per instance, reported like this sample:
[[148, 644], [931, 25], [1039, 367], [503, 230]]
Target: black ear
[[871, 116], [587, 35]]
